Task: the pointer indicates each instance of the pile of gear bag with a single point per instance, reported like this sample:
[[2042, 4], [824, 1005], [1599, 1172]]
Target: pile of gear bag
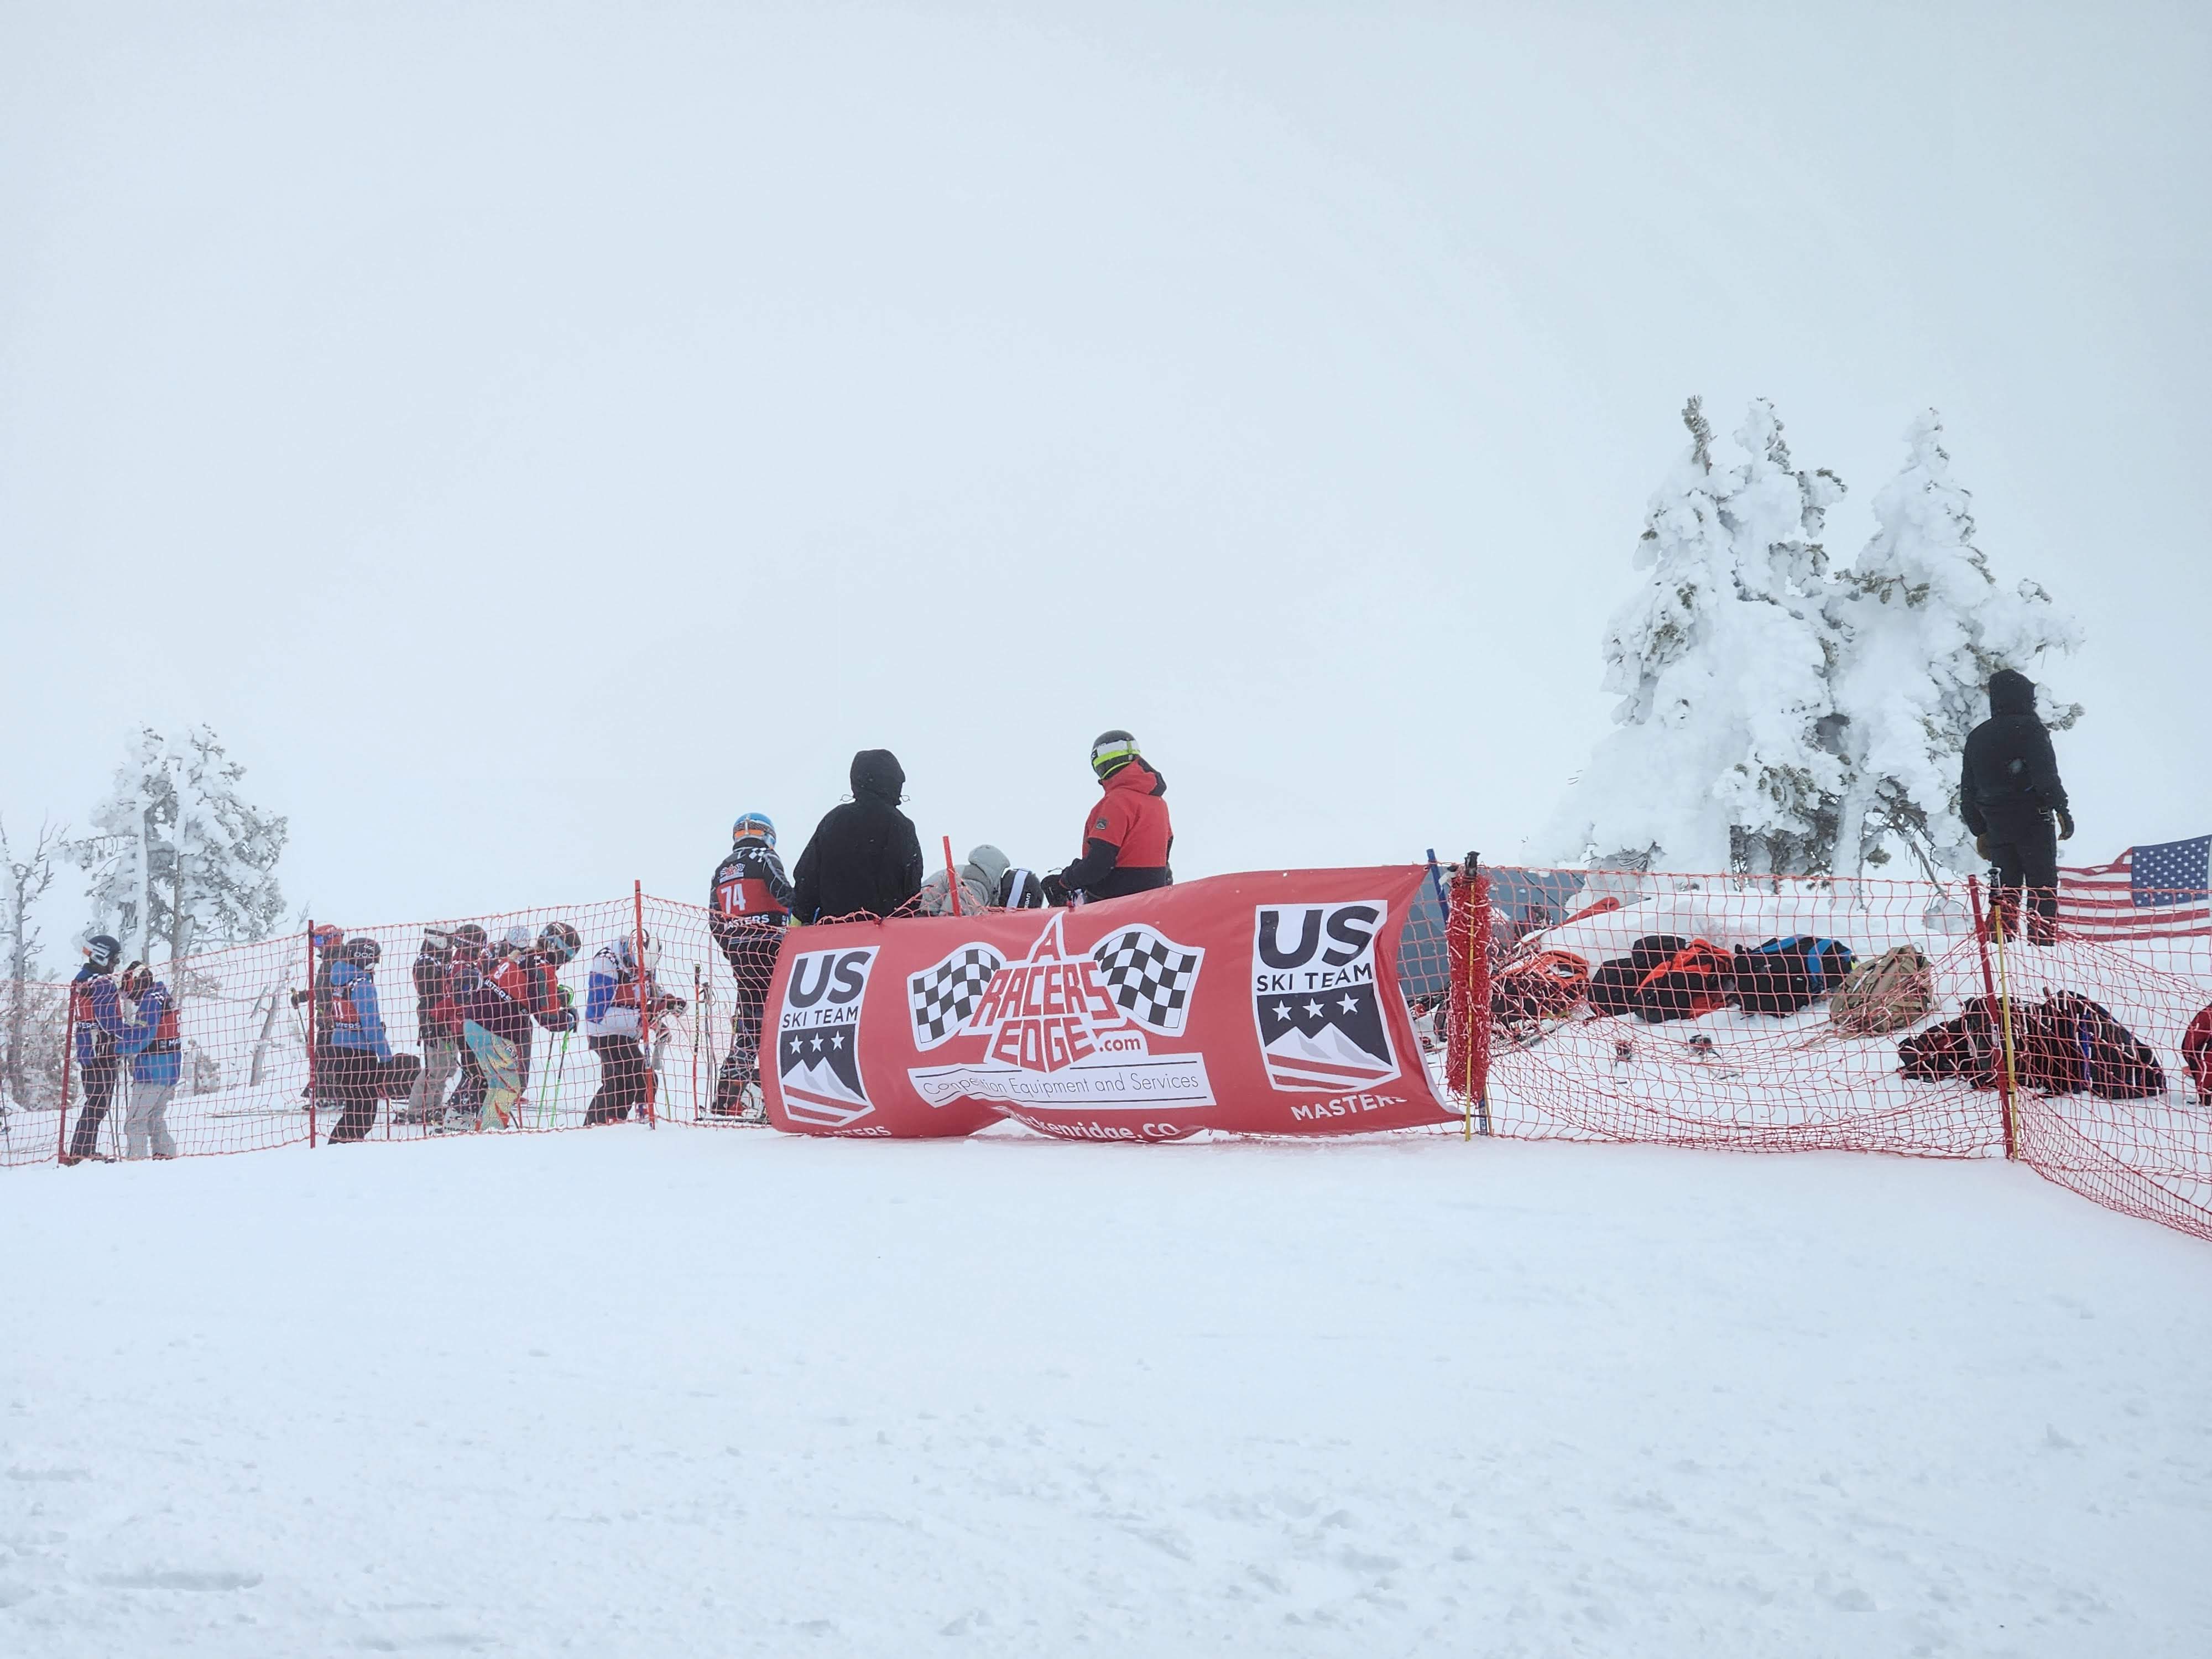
[[2064, 1043]]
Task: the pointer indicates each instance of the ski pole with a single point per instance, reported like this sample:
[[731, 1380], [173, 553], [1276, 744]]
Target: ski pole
[[549, 1110]]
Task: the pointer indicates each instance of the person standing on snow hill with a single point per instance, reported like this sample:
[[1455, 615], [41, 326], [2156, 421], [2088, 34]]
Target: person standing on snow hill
[[529, 973], [156, 1049], [865, 859], [2008, 792], [1128, 837], [350, 1070], [437, 1028], [96, 1018], [747, 907], [621, 1002]]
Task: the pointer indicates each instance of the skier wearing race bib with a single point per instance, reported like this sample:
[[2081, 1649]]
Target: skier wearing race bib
[[747, 907], [1128, 837], [156, 1064], [96, 1015], [620, 1002]]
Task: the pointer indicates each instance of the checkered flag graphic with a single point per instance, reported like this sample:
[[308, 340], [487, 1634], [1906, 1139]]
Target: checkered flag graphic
[[943, 996], [1150, 977]]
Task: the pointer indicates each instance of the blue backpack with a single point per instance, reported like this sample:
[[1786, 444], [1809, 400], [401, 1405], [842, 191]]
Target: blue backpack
[[1785, 975]]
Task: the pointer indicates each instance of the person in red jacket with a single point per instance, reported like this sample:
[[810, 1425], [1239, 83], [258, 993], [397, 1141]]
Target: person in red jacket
[[1128, 837]]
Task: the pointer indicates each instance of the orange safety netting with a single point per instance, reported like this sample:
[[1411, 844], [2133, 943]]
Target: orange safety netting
[[1625, 1006], [1811, 1013]]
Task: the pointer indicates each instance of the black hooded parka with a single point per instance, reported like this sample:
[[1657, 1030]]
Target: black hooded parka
[[864, 858]]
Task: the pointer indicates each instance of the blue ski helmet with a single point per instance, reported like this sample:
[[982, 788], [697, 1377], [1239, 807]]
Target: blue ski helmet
[[753, 826]]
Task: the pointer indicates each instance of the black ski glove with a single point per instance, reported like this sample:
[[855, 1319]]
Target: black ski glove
[[2065, 824], [1982, 848]]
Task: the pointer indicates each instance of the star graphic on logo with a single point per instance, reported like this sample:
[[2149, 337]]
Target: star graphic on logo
[[818, 1045], [1282, 1011], [837, 1041], [1313, 1009], [1349, 1004]]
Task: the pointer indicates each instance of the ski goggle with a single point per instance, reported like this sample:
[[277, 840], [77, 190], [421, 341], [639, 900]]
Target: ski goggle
[[753, 827], [1113, 756]]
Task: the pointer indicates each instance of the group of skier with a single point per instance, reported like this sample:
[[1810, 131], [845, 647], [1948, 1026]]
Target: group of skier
[[479, 1000]]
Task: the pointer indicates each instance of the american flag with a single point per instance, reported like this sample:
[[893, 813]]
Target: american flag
[[2147, 892]]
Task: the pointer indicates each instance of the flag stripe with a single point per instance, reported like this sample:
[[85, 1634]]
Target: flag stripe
[[2119, 901]]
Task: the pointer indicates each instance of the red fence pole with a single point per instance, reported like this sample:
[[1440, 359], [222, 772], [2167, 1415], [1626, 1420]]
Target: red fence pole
[[951, 878], [312, 1009], [69, 1053], [1461, 1016], [646, 1016], [1990, 990], [1478, 994]]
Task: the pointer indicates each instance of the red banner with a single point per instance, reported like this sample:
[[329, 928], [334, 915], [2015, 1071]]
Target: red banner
[[1265, 1004]]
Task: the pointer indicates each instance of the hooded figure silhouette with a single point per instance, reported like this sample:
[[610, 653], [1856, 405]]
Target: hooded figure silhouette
[[864, 858], [2008, 794]]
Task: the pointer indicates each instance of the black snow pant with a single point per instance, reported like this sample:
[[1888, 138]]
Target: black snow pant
[[622, 1079], [752, 952], [350, 1079], [98, 1075], [2024, 847]]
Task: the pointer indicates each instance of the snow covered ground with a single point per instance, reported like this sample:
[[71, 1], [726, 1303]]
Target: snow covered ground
[[687, 1393]]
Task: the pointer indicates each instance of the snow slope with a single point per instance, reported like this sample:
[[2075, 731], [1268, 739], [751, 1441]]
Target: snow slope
[[690, 1393]]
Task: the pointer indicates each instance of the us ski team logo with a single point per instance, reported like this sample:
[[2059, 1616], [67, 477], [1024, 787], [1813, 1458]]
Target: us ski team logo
[[818, 1045], [1315, 999], [1058, 1029]]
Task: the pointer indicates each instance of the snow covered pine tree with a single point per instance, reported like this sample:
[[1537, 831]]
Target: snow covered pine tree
[[180, 860], [1925, 625], [1722, 754]]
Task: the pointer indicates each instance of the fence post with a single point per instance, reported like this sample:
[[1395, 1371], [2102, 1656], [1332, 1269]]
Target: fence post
[[1466, 949], [313, 1008], [648, 1017], [951, 878], [1990, 990], [69, 1053], [1479, 990]]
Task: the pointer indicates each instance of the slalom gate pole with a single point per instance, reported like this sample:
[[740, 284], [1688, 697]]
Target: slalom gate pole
[[951, 878], [69, 1053], [644, 983], [698, 1029], [311, 1034], [1990, 990], [2004, 1022], [1437, 880]]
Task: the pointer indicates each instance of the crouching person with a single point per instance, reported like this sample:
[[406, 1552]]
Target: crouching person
[[156, 1050]]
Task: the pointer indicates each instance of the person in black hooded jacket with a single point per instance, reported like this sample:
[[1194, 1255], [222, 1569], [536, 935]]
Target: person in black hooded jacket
[[2008, 794], [864, 858]]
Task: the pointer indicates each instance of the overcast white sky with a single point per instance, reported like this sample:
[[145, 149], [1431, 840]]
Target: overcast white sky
[[531, 435]]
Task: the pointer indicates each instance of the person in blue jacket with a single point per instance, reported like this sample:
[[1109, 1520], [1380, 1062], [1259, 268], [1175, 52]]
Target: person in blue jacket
[[349, 1072], [96, 1016], [156, 1050]]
